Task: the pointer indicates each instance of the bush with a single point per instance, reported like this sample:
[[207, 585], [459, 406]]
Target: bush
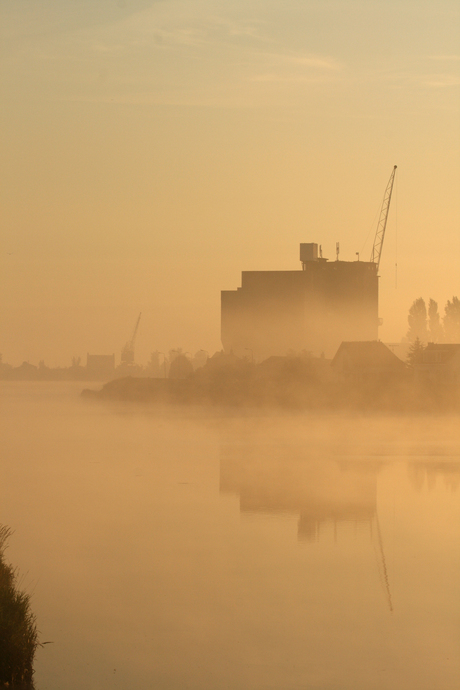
[[18, 631]]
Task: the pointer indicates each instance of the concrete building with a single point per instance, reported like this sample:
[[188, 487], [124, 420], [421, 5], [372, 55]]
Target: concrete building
[[313, 309]]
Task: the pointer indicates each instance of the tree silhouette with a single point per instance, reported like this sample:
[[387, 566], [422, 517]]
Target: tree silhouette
[[181, 367], [452, 321], [415, 353], [417, 321], [434, 322]]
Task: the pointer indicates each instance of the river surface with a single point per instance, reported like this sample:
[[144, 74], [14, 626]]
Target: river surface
[[203, 550]]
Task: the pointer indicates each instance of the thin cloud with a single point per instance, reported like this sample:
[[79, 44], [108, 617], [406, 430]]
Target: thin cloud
[[252, 30], [305, 60], [445, 58], [189, 26], [441, 81], [419, 75], [186, 36], [288, 78], [282, 67]]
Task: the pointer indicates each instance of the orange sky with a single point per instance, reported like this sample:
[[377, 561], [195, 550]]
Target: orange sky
[[151, 151]]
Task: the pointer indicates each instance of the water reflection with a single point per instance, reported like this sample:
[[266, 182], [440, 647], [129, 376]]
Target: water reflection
[[164, 579], [320, 489], [427, 473]]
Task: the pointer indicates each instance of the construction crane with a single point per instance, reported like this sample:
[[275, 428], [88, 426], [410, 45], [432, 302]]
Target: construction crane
[[382, 224], [127, 353]]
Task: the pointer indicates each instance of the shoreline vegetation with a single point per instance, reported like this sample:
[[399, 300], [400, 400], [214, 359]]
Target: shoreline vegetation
[[18, 629], [288, 383]]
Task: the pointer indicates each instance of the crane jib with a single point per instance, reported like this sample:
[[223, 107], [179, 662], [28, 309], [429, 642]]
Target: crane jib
[[381, 226]]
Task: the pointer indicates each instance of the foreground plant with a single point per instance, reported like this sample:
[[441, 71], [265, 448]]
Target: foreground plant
[[18, 630]]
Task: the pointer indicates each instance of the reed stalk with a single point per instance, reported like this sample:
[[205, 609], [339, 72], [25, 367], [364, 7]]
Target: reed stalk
[[18, 630]]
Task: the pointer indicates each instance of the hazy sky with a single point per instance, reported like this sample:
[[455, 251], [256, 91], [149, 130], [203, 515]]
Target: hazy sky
[[151, 151]]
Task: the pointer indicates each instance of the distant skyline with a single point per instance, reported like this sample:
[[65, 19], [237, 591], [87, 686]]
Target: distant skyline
[[151, 151]]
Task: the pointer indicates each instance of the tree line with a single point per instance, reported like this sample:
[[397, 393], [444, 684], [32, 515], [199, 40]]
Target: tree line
[[426, 324]]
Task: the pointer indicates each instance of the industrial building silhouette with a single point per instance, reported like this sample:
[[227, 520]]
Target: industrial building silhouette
[[313, 309]]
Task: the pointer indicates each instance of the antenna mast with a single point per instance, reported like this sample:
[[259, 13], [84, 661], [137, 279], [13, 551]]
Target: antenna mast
[[382, 224]]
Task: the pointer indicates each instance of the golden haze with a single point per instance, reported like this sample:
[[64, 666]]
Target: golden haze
[[153, 150]]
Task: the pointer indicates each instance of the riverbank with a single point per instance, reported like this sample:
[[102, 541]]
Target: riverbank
[[285, 383]]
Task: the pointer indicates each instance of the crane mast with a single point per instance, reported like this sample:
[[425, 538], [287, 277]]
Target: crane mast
[[382, 224], [127, 353]]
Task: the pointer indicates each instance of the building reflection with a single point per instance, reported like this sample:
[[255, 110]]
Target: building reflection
[[427, 473], [321, 490]]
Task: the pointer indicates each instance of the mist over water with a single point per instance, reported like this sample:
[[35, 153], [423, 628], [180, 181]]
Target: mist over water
[[178, 548]]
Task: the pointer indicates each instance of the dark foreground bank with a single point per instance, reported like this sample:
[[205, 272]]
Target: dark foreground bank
[[18, 630]]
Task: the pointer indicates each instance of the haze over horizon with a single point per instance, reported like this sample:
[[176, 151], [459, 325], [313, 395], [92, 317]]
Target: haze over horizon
[[153, 150]]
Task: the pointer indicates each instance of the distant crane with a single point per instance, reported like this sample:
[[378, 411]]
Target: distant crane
[[382, 224], [127, 353]]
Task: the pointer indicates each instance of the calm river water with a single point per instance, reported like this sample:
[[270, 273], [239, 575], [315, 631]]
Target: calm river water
[[188, 550]]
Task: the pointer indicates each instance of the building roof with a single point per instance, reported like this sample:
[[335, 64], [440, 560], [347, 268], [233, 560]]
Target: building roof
[[366, 355], [440, 353]]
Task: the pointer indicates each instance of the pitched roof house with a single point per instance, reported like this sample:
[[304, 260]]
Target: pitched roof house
[[362, 361]]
